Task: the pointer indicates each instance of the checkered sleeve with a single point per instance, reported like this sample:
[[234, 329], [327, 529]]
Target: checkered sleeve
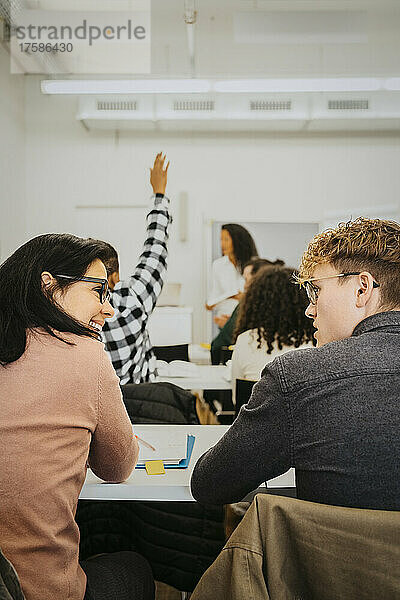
[[147, 281], [133, 300]]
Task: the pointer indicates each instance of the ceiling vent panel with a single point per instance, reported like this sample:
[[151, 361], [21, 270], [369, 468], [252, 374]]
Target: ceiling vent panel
[[243, 112], [116, 105], [348, 104], [194, 105], [123, 109], [270, 105]]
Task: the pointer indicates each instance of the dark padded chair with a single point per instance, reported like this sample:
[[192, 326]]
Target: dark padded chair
[[225, 354], [169, 353], [244, 387], [179, 539]]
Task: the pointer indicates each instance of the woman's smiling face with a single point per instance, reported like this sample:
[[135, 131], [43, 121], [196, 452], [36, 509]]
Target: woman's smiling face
[[81, 300]]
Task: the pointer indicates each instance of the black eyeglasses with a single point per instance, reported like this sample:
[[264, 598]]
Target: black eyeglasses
[[312, 290], [104, 292]]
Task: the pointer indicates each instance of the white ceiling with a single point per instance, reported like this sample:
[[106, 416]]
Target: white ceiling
[[218, 54], [319, 38]]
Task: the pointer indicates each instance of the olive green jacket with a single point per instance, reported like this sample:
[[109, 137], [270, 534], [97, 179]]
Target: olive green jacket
[[287, 549], [10, 588]]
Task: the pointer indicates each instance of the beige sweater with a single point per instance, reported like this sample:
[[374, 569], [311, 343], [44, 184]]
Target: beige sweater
[[60, 406]]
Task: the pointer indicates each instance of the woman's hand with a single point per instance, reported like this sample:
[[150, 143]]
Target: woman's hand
[[237, 296], [221, 320], [209, 306]]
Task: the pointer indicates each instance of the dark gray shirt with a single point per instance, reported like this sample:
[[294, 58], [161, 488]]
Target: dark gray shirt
[[333, 413]]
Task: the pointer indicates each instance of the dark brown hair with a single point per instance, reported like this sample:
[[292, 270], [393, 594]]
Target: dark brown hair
[[108, 256], [243, 244], [260, 263], [25, 305]]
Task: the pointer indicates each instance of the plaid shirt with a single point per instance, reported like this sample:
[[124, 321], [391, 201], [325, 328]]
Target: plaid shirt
[[125, 335]]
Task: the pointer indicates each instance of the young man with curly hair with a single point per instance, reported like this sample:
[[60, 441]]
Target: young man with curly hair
[[332, 412]]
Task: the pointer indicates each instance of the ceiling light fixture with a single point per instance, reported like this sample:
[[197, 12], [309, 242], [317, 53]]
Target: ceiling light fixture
[[126, 86], [338, 84], [392, 84], [195, 86]]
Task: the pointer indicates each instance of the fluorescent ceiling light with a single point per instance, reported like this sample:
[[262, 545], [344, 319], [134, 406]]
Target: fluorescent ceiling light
[[393, 84], [127, 86], [193, 86], [342, 84]]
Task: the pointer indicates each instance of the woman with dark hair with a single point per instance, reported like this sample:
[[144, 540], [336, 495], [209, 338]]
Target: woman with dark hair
[[271, 321], [238, 248], [60, 409]]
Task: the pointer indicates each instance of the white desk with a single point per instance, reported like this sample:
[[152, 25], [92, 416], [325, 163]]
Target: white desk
[[175, 484], [210, 377], [199, 355]]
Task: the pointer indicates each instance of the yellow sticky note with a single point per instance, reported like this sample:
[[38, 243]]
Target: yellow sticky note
[[154, 467], [206, 346]]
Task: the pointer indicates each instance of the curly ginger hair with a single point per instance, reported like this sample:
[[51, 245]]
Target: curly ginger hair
[[371, 245]]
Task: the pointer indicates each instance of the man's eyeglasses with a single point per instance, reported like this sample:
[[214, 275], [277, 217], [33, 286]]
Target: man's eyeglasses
[[312, 290], [103, 291]]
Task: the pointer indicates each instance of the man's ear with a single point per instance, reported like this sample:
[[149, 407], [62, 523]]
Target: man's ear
[[365, 286], [113, 279], [47, 279]]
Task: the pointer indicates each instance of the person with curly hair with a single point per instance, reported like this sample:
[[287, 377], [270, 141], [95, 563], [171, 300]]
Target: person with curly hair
[[331, 412], [238, 248], [271, 321], [226, 335]]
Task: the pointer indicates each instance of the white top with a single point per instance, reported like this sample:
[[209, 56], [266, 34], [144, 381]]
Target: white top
[[248, 361], [226, 281]]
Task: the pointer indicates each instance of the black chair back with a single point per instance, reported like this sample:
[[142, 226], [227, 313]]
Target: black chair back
[[244, 387], [225, 354], [169, 353]]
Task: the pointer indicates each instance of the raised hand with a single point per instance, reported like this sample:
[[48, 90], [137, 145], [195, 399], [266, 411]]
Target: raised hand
[[158, 175]]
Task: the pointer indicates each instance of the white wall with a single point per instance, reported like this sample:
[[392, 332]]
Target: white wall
[[12, 158], [227, 176]]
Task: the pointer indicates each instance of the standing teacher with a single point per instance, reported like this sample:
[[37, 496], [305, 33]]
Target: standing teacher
[[238, 248]]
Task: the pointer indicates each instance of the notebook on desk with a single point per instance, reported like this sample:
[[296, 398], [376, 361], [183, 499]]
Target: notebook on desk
[[172, 450]]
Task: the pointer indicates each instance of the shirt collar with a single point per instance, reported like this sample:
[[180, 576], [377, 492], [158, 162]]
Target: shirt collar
[[380, 320]]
